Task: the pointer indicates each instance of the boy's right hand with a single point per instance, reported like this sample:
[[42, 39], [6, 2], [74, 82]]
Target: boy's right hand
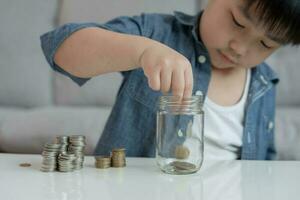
[[167, 69]]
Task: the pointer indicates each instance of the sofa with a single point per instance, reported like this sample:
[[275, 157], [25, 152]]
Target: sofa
[[37, 104]]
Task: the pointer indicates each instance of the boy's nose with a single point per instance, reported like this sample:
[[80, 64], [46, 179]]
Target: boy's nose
[[239, 48]]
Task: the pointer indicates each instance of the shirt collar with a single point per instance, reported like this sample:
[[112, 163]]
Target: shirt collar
[[267, 73], [193, 22], [185, 19]]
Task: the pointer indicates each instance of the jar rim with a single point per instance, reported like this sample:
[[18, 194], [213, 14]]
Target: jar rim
[[169, 99], [176, 105]]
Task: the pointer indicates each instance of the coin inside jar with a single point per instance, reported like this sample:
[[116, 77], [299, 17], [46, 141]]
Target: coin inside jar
[[183, 165]]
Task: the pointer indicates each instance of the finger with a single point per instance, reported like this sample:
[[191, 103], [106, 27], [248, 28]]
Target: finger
[[189, 83], [178, 83], [165, 80], [154, 80]]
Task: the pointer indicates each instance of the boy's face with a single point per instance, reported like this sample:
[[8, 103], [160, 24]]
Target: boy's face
[[232, 39]]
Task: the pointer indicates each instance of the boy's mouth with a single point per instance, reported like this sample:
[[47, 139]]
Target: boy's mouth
[[227, 58]]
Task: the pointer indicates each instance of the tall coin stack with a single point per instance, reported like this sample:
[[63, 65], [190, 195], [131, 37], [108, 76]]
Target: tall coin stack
[[50, 153], [66, 162], [63, 141], [76, 147], [118, 158]]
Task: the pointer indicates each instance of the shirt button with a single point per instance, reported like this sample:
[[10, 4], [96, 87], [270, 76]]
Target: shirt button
[[180, 134], [198, 92], [270, 126], [201, 59]]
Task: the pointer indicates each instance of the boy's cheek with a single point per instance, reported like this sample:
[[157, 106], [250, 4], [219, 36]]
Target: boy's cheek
[[217, 40], [251, 60], [217, 37]]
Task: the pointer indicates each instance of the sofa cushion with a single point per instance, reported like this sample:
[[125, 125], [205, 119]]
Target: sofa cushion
[[99, 91], [25, 78], [286, 62], [27, 130], [287, 133]]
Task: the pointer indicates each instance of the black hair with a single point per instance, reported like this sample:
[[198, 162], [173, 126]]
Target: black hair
[[281, 18]]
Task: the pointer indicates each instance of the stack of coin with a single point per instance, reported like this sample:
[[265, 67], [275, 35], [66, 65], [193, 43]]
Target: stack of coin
[[103, 162], [50, 152], [183, 166], [64, 142], [118, 158], [65, 154], [76, 146], [66, 162]]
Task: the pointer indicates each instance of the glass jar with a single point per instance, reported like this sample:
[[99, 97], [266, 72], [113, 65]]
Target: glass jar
[[179, 134]]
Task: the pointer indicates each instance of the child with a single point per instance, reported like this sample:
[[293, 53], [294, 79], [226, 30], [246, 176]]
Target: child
[[218, 53]]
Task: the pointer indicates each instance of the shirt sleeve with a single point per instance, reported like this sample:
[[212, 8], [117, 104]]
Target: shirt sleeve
[[51, 41]]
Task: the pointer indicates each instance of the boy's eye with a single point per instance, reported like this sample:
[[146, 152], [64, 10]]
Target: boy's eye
[[236, 22], [265, 45]]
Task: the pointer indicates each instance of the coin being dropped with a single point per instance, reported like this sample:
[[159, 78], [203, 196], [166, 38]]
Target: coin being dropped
[[182, 152], [25, 165]]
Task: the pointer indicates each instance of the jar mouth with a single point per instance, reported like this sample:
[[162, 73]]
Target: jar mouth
[[177, 104], [169, 99]]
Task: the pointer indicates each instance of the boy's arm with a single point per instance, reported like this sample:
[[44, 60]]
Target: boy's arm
[[53, 40], [93, 51], [86, 50]]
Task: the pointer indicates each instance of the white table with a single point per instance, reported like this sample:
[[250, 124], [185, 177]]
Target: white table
[[142, 180]]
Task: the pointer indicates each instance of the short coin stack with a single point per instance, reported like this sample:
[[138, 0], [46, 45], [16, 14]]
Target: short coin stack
[[117, 159], [103, 162], [65, 154]]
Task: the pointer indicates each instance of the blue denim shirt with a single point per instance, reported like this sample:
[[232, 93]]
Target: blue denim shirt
[[132, 122]]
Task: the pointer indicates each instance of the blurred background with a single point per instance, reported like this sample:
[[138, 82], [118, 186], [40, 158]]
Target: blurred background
[[36, 104]]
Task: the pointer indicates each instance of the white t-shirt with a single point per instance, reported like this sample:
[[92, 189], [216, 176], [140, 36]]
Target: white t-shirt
[[223, 128]]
